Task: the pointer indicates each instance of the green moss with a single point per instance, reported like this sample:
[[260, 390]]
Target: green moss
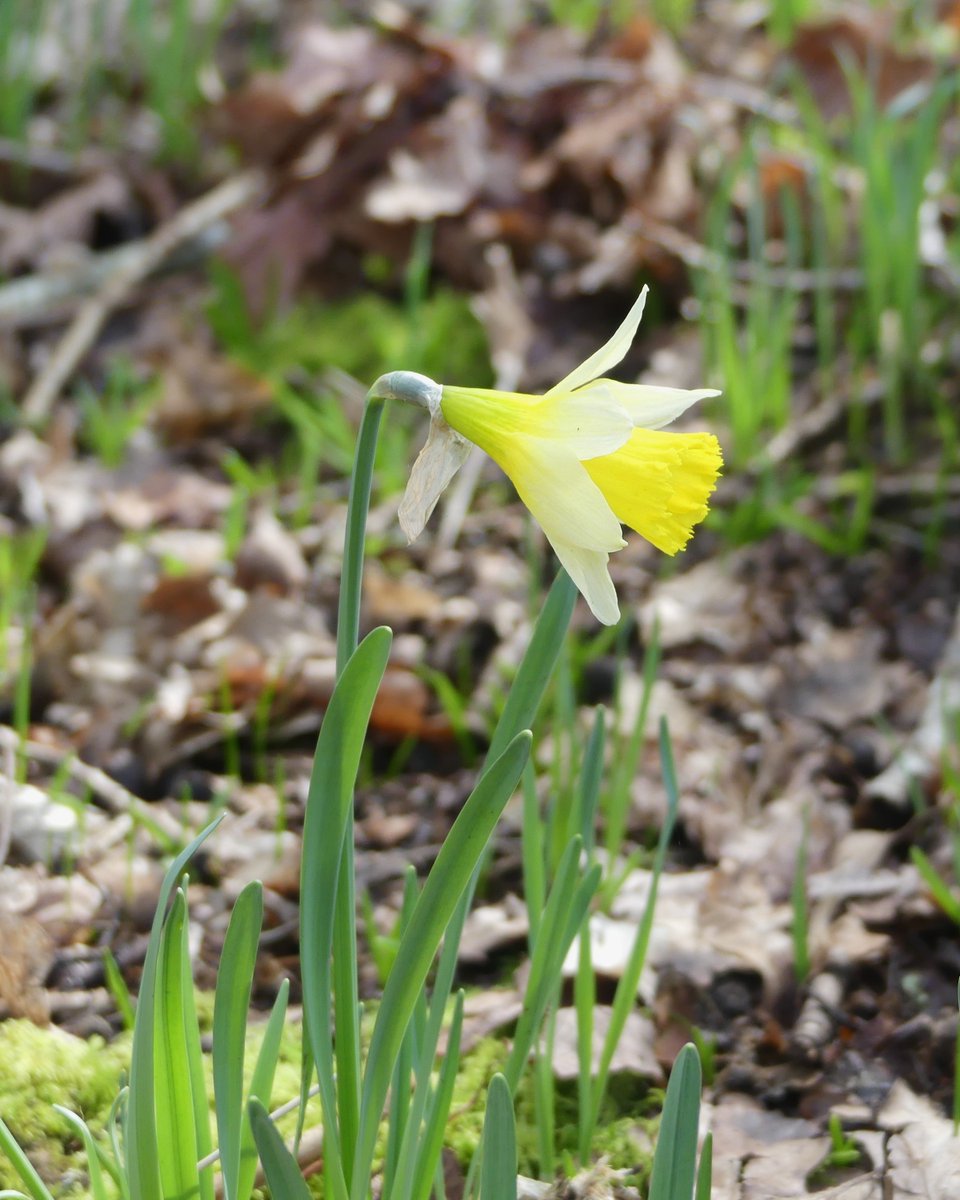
[[622, 1136], [43, 1067]]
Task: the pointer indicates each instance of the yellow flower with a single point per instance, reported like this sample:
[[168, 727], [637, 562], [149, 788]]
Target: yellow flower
[[586, 457]]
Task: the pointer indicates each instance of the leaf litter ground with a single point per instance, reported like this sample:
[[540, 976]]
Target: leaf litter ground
[[181, 649]]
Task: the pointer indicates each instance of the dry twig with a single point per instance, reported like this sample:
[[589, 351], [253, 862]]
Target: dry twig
[[224, 199]]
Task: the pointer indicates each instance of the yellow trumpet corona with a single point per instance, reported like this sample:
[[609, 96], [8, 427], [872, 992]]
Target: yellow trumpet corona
[[587, 457]]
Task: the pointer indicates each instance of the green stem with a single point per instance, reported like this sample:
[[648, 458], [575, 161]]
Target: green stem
[[351, 579], [346, 999]]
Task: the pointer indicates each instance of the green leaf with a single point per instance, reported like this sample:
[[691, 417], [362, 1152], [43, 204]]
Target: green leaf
[[22, 1165], [329, 804], [118, 990], [195, 1067], [565, 910], [705, 1170], [142, 1150], [675, 1158], [230, 1007], [591, 772], [176, 1124], [498, 1171], [261, 1086], [435, 1123], [625, 995], [451, 872], [284, 1177], [98, 1190], [939, 888]]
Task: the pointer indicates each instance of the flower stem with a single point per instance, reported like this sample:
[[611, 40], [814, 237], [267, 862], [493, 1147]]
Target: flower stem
[[345, 986], [351, 578]]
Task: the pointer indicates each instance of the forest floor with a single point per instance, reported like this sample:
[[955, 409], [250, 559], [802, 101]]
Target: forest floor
[[207, 258]]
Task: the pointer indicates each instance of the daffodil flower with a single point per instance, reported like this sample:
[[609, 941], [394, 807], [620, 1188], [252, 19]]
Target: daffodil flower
[[586, 458]]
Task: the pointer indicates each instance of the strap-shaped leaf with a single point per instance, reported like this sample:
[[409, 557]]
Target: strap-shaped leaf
[[675, 1158], [176, 1126], [230, 1006], [140, 1141], [280, 1167], [329, 802], [261, 1085], [22, 1165], [98, 1190], [446, 883], [498, 1170]]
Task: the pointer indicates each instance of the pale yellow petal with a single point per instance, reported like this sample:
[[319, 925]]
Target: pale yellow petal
[[648, 406], [588, 570], [609, 354], [489, 419], [659, 483], [556, 488]]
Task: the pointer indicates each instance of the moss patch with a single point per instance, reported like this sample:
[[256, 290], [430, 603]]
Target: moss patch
[[43, 1067]]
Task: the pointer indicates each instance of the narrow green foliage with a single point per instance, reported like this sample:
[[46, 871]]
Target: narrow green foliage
[[21, 28], [171, 44], [232, 1000], [118, 989], [326, 827], [705, 1170], [22, 1165], [280, 1167], [626, 992], [570, 895], [175, 1112], [448, 878], [96, 1183], [437, 1110], [261, 1085], [675, 1158], [140, 1133], [20, 557], [895, 147], [748, 329], [498, 1172], [844, 1151], [939, 888], [110, 417]]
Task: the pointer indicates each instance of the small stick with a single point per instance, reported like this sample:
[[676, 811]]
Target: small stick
[[80, 335]]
